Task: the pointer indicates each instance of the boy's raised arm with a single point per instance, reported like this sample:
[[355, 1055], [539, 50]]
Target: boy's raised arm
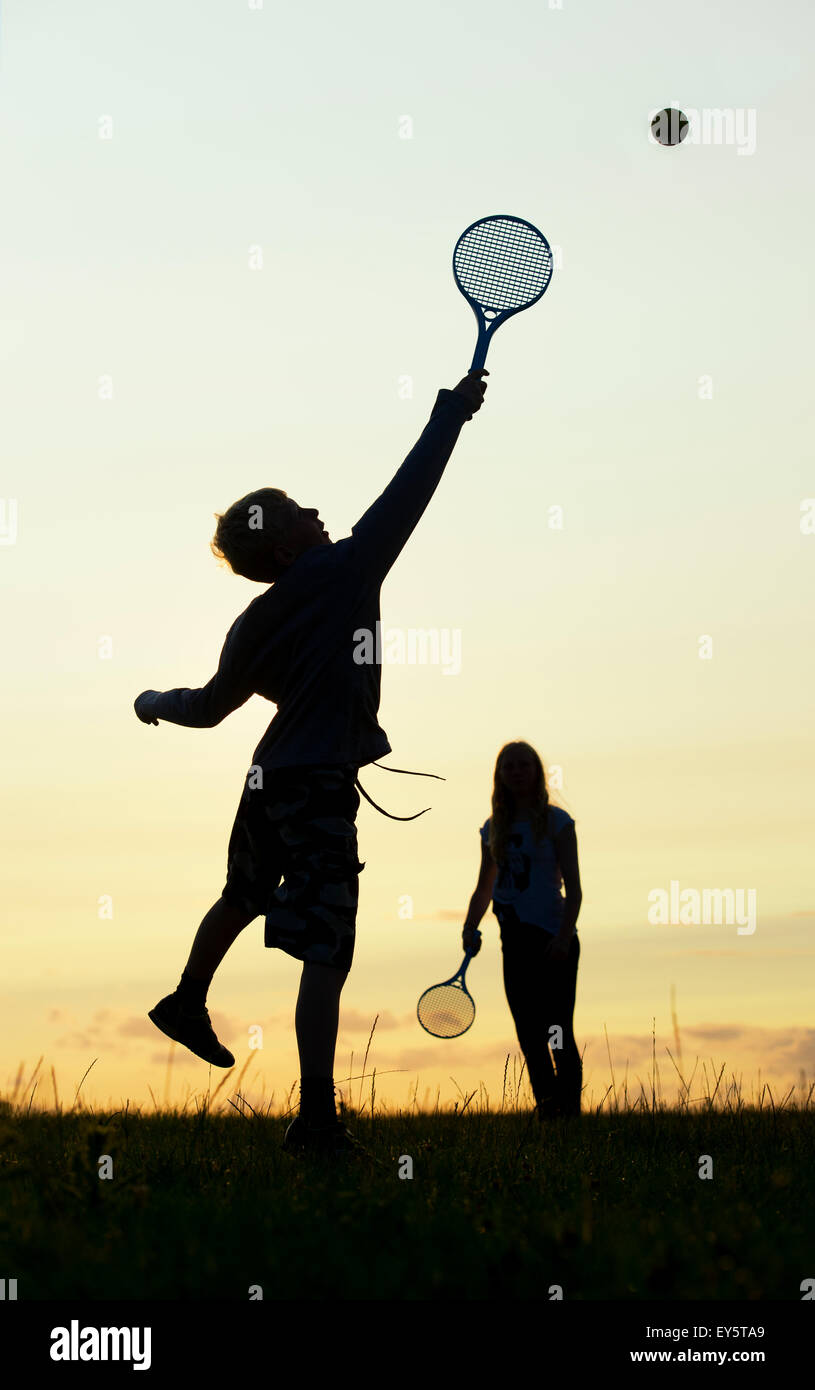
[[383, 530]]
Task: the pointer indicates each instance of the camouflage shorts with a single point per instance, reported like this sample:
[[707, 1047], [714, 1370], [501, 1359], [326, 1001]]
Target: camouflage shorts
[[299, 827]]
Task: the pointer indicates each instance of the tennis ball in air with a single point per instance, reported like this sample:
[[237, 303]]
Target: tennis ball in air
[[670, 126]]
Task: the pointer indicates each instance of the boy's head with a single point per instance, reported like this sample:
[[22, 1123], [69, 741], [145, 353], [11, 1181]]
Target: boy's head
[[262, 535]]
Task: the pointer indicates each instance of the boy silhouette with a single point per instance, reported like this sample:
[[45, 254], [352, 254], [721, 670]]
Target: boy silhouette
[[295, 645]]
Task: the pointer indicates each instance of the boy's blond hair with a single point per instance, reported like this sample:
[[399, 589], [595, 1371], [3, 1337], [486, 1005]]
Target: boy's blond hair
[[247, 530]]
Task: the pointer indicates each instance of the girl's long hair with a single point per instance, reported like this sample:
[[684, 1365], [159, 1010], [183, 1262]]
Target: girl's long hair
[[503, 803]]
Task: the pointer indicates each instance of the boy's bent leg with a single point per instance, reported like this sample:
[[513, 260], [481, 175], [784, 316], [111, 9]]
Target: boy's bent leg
[[182, 1015], [219, 928]]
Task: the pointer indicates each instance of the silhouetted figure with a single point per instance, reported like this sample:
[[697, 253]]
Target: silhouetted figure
[[295, 645], [528, 850]]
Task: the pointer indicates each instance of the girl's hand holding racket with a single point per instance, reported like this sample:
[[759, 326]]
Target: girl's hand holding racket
[[471, 940], [473, 388]]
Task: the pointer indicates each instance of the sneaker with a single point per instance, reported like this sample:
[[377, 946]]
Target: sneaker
[[332, 1138], [194, 1030]]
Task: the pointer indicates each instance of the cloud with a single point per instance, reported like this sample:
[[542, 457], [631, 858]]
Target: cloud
[[114, 1033], [354, 1021], [137, 1027], [451, 1053], [83, 1041], [778, 1052], [716, 1032], [89, 1042], [785, 1052], [416, 1060]]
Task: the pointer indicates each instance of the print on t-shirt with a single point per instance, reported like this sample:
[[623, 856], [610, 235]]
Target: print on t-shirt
[[519, 866], [530, 880]]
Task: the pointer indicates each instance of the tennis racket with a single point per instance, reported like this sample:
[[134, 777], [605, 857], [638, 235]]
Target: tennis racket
[[501, 265], [447, 1010]]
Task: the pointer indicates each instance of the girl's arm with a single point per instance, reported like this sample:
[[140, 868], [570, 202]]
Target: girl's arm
[[480, 901], [566, 850]]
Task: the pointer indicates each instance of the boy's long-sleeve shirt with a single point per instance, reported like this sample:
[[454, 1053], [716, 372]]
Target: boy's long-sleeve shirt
[[295, 643]]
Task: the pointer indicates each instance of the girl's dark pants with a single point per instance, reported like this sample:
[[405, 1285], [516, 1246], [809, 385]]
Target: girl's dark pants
[[541, 995]]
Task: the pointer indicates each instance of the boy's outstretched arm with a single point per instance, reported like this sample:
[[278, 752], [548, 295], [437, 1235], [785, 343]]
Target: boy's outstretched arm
[[382, 532], [229, 688]]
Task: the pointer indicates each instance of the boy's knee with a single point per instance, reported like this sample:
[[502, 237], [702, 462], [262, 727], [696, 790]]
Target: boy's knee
[[240, 914], [324, 970]]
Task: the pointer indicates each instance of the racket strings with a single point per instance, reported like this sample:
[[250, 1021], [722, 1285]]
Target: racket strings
[[503, 264], [446, 1010]]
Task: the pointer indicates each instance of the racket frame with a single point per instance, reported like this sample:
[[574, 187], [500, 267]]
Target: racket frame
[[454, 980], [486, 327]]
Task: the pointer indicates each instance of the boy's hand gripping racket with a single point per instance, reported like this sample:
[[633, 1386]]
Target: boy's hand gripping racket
[[502, 265], [447, 1010]]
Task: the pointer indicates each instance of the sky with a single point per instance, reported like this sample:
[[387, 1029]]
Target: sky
[[225, 263]]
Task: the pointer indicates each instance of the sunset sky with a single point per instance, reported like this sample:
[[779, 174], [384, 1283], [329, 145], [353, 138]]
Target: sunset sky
[[225, 257]]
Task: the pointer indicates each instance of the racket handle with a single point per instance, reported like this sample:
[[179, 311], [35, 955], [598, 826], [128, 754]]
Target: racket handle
[[481, 349]]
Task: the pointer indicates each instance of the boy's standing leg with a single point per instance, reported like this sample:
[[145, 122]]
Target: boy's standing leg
[[311, 830], [316, 1022]]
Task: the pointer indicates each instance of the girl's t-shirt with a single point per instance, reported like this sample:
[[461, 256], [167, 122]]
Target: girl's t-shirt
[[530, 881]]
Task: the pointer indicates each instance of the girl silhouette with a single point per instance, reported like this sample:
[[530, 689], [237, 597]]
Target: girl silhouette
[[528, 851]]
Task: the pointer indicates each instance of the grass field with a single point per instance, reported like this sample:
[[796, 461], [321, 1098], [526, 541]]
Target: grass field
[[203, 1203]]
